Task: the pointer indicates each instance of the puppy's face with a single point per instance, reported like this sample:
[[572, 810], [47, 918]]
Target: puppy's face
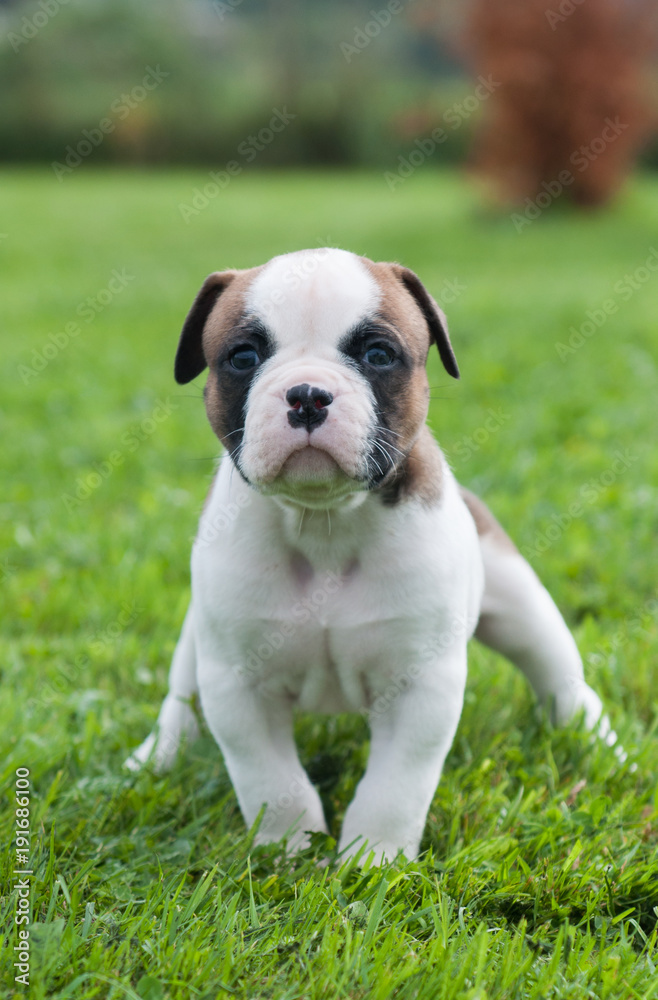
[[317, 384]]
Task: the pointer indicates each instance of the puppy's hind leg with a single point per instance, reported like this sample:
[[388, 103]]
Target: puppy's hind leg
[[520, 620], [176, 721]]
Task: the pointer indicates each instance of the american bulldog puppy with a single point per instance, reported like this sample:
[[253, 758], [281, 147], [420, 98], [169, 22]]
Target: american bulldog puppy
[[339, 566]]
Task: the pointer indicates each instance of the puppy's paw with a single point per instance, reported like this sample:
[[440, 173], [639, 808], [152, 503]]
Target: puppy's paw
[[160, 749], [370, 854], [157, 751], [177, 723], [297, 836], [586, 702], [294, 842], [141, 755]]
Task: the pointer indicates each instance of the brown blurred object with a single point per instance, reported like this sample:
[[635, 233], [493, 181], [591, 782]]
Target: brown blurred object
[[572, 96]]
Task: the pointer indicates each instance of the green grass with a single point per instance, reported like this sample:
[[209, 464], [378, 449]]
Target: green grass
[[540, 872]]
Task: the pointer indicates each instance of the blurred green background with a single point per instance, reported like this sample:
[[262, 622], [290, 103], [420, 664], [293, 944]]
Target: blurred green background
[[227, 65], [360, 98], [105, 463]]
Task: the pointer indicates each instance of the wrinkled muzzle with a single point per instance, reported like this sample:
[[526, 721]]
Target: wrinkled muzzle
[[308, 427]]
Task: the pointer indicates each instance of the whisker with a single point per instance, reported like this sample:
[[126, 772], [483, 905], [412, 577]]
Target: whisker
[[384, 452], [234, 454], [375, 462], [416, 457], [392, 447]]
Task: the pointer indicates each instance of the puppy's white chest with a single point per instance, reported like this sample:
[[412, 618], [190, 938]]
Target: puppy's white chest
[[319, 638], [327, 617]]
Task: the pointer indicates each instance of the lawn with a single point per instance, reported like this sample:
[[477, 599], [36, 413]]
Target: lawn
[[539, 876]]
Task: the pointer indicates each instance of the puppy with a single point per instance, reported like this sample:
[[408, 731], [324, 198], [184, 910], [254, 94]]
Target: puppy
[[339, 567]]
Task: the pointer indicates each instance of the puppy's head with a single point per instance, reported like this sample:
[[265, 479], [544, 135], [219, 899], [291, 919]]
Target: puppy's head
[[317, 384]]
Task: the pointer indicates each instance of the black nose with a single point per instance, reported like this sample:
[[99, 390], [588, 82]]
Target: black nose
[[308, 405]]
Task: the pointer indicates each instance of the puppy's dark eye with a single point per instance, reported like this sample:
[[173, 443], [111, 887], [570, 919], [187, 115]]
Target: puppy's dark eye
[[244, 358], [379, 355]]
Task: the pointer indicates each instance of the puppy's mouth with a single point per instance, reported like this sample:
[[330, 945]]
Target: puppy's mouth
[[309, 465], [312, 477]]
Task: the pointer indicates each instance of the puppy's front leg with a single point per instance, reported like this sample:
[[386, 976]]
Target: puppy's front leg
[[254, 731], [411, 733]]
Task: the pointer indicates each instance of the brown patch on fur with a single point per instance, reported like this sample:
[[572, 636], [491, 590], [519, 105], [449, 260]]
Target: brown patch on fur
[[399, 308], [485, 522], [228, 312], [416, 399], [419, 476], [409, 306], [191, 355]]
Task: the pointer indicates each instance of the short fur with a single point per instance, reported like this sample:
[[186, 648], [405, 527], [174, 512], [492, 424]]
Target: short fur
[[343, 569]]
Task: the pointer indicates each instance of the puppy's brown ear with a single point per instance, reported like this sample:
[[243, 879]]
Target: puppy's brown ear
[[434, 316], [190, 359]]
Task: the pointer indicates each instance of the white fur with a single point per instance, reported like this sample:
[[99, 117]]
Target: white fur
[[310, 297], [520, 619], [309, 300], [392, 597], [344, 436], [319, 597]]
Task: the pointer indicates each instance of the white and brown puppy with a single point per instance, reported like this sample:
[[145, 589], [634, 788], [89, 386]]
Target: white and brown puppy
[[339, 567]]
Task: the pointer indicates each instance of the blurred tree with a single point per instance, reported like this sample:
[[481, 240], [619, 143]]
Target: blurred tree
[[367, 87], [571, 93], [356, 87]]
